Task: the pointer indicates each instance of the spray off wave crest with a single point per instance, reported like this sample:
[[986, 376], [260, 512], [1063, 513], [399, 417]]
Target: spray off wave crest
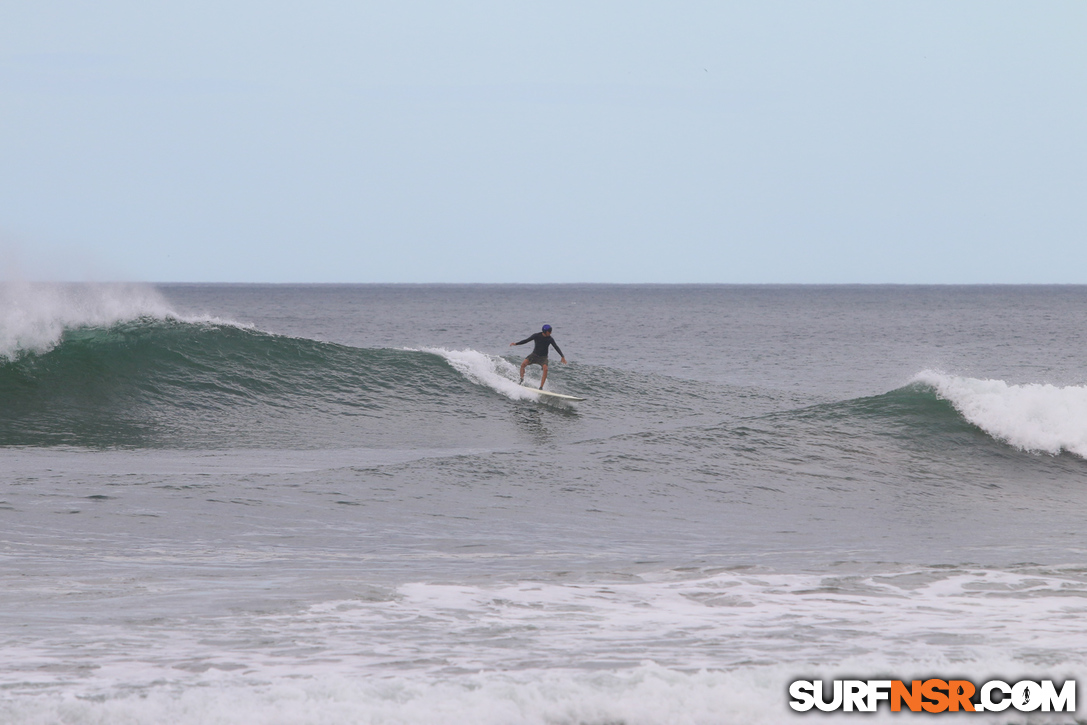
[[34, 316], [1032, 417], [491, 371]]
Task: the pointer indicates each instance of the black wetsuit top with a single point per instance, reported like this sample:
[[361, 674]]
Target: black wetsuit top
[[542, 342]]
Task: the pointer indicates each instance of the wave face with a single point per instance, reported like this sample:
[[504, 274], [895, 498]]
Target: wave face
[[169, 382], [1033, 417]]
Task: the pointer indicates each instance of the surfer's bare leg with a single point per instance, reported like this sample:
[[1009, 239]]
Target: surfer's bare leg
[[544, 378], [524, 365]]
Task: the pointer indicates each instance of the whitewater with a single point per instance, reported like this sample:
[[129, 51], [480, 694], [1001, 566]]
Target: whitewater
[[1031, 417], [326, 504]]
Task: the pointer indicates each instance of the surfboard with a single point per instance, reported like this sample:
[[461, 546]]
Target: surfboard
[[549, 394]]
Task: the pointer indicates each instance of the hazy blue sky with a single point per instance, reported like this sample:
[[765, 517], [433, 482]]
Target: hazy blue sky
[[545, 141]]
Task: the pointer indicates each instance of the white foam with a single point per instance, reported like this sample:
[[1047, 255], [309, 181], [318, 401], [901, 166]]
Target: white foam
[[1031, 417], [34, 315], [491, 371], [664, 648], [648, 695]]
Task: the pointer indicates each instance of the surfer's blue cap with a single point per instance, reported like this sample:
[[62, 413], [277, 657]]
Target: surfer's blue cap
[[547, 328]]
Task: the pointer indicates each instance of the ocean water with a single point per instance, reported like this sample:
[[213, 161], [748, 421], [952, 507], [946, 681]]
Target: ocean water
[[334, 504]]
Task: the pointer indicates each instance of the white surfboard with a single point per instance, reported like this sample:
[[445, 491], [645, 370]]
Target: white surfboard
[[549, 394]]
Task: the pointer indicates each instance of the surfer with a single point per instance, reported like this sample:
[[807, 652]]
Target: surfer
[[543, 341]]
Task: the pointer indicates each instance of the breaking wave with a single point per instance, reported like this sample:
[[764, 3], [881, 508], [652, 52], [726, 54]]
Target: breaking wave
[[164, 381], [1031, 417], [34, 316], [115, 365]]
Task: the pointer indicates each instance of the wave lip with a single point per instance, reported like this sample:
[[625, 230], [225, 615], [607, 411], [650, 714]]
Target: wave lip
[[34, 316], [1036, 417]]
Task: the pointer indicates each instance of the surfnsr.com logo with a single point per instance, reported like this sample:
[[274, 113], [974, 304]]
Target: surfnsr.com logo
[[933, 696]]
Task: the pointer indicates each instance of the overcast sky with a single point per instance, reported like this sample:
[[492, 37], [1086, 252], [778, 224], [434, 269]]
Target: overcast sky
[[544, 141]]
